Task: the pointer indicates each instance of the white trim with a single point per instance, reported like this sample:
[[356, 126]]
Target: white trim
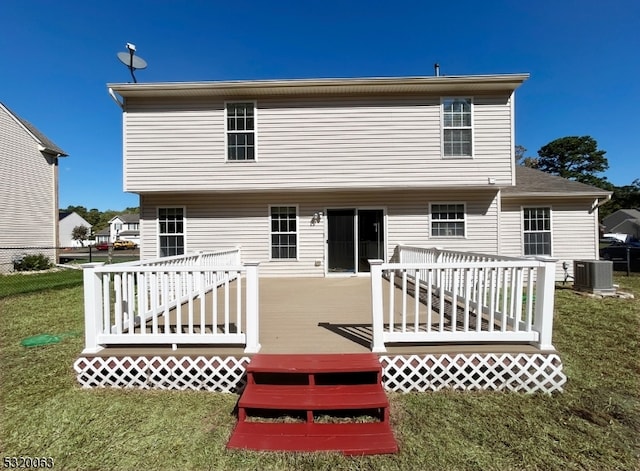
[[430, 216], [530, 206], [297, 257], [471, 127], [184, 227], [255, 131], [512, 105]]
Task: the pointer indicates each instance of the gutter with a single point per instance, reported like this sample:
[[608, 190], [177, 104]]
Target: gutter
[[598, 202]]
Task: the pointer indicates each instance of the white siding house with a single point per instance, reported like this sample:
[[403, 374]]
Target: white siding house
[[68, 221], [315, 177], [28, 190]]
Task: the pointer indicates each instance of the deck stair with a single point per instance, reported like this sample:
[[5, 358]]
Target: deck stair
[[320, 402]]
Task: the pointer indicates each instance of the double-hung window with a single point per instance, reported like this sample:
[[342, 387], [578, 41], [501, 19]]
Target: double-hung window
[[284, 232], [170, 231], [457, 136], [448, 220], [241, 131], [537, 230]]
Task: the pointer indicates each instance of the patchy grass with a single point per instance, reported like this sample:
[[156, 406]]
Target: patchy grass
[[29, 282], [594, 425]]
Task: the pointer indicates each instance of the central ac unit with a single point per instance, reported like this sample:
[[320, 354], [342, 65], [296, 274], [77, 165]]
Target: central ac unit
[[593, 275]]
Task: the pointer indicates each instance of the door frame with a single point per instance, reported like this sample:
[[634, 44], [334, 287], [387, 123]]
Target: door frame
[[356, 208]]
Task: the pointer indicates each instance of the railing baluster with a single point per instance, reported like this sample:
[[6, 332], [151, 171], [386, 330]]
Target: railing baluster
[[416, 314], [404, 301], [392, 302]]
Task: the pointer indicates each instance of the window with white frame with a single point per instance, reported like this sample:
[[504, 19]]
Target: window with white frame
[[456, 127], [170, 231], [537, 230], [448, 220], [240, 131], [284, 232]]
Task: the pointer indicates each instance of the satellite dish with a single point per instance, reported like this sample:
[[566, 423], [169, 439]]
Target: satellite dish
[[131, 60]]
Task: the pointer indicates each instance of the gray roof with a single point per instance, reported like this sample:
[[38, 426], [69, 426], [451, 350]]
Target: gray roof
[[49, 146], [532, 182], [128, 217]]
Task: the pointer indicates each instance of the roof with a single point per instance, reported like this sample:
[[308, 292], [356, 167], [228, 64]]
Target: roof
[[631, 213], [533, 182], [128, 218], [324, 86], [46, 144]]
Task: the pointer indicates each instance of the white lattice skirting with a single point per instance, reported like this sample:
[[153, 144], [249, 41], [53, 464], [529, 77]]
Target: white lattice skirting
[[404, 373], [522, 372], [200, 373]]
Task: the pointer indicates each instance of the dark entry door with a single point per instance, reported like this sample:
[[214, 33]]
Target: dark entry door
[[341, 240], [370, 237]]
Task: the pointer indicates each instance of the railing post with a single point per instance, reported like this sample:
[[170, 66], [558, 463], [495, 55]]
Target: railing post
[[92, 282], [545, 292], [252, 308], [377, 312]]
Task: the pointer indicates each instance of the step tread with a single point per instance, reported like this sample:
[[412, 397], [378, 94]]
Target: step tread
[[356, 439], [304, 397], [314, 363]]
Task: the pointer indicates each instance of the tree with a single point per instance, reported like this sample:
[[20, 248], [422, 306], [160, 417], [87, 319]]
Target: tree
[[522, 159], [624, 197], [575, 158], [80, 233]]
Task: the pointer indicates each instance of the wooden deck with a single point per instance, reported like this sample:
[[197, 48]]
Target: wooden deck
[[316, 315]]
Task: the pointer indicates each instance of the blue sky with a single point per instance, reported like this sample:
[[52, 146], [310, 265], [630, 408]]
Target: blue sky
[[58, 56]]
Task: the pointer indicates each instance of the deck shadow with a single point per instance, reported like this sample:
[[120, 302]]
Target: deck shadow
[[362, 334]]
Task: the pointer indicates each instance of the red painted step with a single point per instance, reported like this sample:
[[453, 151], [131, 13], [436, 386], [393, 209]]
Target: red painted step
[[345, 385], [349, 439]]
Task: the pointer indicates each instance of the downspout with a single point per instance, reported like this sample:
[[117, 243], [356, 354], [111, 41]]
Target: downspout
[[594, 209], [115, 98]]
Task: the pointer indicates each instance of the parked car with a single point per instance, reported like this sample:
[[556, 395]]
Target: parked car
[[102, 246], [124, 244], [617, 252]]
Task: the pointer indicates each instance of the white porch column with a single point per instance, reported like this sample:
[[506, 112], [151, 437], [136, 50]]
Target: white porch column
[[252, 307], [377, 312], [545, 292], [92, 282]]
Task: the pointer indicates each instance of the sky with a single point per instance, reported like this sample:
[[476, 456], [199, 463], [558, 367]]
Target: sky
[[58, 56]]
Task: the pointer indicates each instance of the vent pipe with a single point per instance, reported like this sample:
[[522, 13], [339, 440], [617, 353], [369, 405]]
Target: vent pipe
[[436, 68]]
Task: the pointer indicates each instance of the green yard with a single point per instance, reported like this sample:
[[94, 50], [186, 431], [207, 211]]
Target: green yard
[[594, 425]]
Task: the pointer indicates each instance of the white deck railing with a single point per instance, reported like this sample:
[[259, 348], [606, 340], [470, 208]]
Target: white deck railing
[[192, 299], [445, 296]]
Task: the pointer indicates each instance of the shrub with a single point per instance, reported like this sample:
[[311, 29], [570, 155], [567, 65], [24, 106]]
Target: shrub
[[32, 263]]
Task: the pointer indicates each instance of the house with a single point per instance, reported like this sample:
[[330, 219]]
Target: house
[[125, 227], [623, 221], [384, 215], [314, 177], [28, 191], [66, 223]]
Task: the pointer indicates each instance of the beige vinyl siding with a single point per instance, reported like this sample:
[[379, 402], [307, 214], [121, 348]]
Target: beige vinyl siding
[[350, 143], [573, 230], [28, 202], [221, 220]]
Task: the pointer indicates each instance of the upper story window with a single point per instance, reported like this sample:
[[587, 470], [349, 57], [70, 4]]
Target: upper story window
[[240, 131], [457, 136], [448, 220], [171, 231], [536, 231]]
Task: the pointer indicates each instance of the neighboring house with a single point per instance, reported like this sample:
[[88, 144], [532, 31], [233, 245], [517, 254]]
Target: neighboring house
[[68, 221], [313, 177], [28, 190], [125, 227], [103, 235], [623, 221]]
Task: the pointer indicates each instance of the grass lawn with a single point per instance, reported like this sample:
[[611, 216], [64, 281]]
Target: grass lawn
[[593, 425]]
